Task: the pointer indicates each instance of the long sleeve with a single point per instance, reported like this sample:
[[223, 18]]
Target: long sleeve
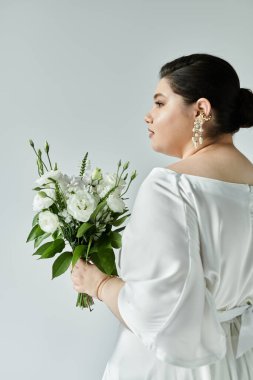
[[165, 301]]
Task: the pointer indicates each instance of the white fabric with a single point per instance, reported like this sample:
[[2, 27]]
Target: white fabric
[[245, 338], [186, 256]]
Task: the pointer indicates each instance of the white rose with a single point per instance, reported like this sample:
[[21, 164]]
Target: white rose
[[44, 179], [48, 221], [115, 203], [81, 205], [39, 202]]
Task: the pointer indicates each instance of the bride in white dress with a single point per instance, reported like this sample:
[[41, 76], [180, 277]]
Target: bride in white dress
[[184, 295]]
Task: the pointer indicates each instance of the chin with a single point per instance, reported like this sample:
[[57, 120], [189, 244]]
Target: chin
[[168, 151]]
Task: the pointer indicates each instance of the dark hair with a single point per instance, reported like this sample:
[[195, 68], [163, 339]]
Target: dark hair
[[203, 75]]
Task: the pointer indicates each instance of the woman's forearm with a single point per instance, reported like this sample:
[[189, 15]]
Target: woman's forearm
[[109, 295]]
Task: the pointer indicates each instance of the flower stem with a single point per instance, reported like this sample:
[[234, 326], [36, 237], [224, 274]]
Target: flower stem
[[39, 157], [88, 249], [84, 301], [49, 161]]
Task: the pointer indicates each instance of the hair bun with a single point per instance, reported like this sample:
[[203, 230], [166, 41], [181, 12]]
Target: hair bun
[[245, 108]]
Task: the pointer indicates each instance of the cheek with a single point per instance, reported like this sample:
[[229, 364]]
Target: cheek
[[168, 121], [172, 130]]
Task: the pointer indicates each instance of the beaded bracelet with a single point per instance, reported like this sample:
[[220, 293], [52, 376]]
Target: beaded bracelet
[[102, 282]]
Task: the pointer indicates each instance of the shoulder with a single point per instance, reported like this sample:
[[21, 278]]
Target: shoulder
[[217, 166], [163, 184], [161, 177], [165, 197]]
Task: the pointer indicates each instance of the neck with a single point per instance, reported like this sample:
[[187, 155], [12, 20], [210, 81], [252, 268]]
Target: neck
[[210, 145]]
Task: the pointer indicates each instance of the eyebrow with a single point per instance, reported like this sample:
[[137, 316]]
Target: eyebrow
[[159, 94]]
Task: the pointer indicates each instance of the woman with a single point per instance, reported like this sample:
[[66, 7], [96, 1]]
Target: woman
[[184, 295]]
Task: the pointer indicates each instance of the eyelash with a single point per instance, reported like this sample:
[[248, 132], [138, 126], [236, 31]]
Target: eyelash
[[159, 103]]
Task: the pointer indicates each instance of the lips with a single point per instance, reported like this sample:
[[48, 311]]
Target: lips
[[151, 130]]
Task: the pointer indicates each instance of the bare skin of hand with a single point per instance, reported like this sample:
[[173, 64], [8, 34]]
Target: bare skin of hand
[[85, 277]]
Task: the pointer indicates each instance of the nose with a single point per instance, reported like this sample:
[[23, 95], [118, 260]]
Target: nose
[[148, 118]]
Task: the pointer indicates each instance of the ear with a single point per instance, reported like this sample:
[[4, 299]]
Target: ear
[[202, 104]]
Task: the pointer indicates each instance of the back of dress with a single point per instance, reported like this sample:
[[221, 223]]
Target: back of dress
[[225, 221], [186, 260]]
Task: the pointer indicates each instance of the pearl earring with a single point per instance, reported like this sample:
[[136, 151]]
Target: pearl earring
[[197, 128]]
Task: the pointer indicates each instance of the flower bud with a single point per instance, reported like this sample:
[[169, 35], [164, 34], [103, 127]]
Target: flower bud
[[40, 167], [126, 165], [96, 174], [31, 143], [133, 175], [46, 147], [42, 194]]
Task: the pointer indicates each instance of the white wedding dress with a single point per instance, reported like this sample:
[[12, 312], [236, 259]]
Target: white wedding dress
[[187, 263]]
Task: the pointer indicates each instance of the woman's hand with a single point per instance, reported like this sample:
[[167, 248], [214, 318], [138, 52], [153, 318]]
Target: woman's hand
[[86, 277]]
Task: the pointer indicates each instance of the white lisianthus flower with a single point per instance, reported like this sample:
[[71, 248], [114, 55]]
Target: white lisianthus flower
[[75, 184], [39, 202], [64, 213], [64, 181], [81, 205], [102, 190], [108, 182], [48, 221], [115, 203], [44, 179]]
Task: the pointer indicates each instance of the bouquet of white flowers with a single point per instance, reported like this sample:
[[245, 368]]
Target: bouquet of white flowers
[[78, 211]]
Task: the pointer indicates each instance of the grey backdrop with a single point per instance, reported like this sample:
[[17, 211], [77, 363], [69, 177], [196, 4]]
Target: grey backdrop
[[81, 75]]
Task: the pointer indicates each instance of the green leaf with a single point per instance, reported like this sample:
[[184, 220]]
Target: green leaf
[[54, 209], [37, 188], [105, 261], [50, 249], [57, 234], [92, 250], [118, 222], [119, 229], [96, 211], [35, 232], [43, 248], [115, 238], [61, 264], [38, 240], [118, 214], [103, 242], [79, 251], [83, 228], [35, 219]]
